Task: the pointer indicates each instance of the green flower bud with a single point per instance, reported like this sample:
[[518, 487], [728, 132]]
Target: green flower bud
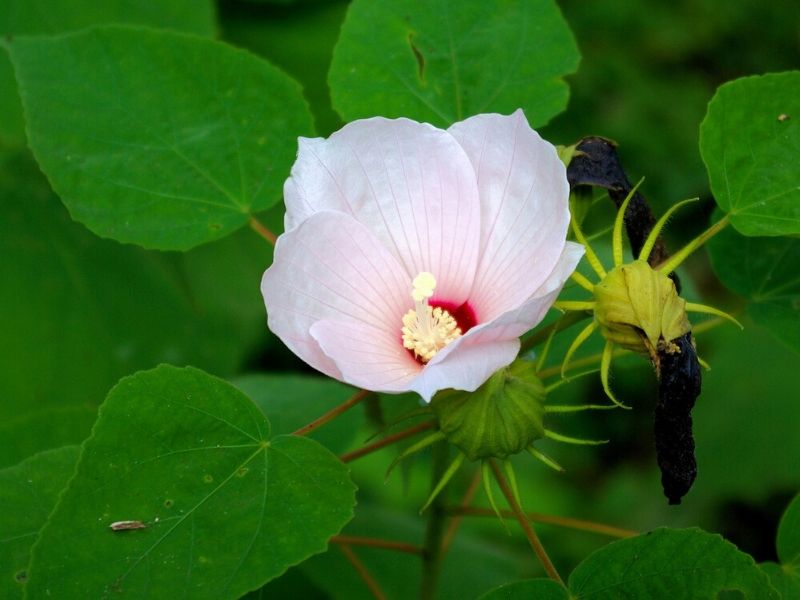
[[499, 419], [639, 309]]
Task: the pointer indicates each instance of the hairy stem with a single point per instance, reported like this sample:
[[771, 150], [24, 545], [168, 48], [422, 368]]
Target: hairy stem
[[387, 441], [333, 413], [434, 530], [533, 539], [567, 522], [262, 230]]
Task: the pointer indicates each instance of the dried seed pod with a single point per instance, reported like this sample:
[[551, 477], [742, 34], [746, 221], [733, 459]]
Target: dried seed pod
[[678, 388]]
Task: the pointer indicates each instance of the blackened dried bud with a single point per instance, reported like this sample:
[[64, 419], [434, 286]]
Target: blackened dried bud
[[678, 388]]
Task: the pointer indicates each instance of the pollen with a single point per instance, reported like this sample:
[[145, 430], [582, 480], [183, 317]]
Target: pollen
[[427, 329]]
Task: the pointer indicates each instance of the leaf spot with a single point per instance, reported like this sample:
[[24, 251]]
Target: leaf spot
[[21, 576], [418, 56], [168, 503]]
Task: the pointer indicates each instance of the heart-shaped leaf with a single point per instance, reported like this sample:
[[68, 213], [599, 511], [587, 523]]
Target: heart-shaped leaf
[[440, 62], [158, 138], [750, 143], [181, 492]]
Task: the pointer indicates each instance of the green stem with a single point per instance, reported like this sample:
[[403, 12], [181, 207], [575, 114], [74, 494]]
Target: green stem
[[434, 531], [524, 522]]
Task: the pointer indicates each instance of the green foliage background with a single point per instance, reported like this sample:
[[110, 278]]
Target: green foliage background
[[78, 312]]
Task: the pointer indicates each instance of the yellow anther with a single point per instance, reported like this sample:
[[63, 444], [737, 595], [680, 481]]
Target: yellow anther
[[426, 329], [424, 285]]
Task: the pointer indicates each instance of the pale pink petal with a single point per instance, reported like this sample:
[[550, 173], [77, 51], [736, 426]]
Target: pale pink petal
[[411, 184], [470, 360], [467, 369], [524, 209], [331, 268], [377, 363]]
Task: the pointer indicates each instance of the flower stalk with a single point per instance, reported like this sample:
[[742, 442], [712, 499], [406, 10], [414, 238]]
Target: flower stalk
[[333, 413], [262, 230], [525, 523]]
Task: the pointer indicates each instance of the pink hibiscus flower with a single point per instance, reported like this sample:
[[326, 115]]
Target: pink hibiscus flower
[[413, 257]]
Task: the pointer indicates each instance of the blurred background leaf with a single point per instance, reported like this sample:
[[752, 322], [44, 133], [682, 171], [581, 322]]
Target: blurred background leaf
[[766, 272]]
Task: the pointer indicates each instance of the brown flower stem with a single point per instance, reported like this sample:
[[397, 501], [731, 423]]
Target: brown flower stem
[[262, 230], [567, 522], [562, 323], [333, 413], [533, 539], [354, 540], [432, 555], [387, 441], [365, 575], [455, 523]]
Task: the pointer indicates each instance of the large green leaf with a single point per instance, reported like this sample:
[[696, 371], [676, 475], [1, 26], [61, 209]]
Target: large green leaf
[[439, 61], [77, 312], [225, 506], [27, 17], [541, 589], [28, 492], [765, 271], [670, 564], [292, 401], [750, 143], [158, 138]]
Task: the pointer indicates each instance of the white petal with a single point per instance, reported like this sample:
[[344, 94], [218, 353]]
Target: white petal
[[471, 359], [524, 209], [411, 184], [377, 363], [467, 369], [331, 268]]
